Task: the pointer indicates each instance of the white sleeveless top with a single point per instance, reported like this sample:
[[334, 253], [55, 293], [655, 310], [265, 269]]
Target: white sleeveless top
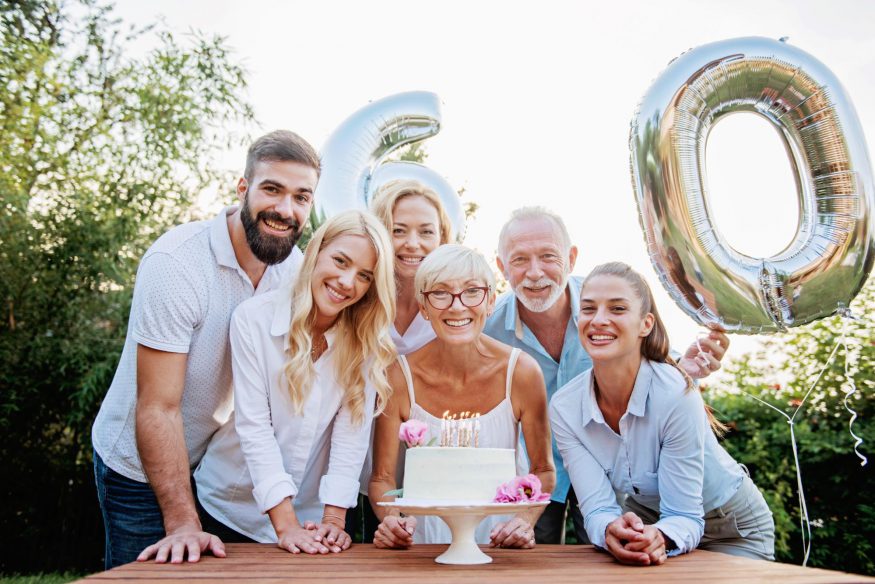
[[498, 429]]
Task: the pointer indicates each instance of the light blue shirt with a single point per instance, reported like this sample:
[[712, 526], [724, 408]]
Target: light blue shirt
[[665, 457], [505, 325]]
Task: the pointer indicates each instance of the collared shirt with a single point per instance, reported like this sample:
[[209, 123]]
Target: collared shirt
[[266, 452], [665, 457], [506, 326], [188, 284], [418, 334]]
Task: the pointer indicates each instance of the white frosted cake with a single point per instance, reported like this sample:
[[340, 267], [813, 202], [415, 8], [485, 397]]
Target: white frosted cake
[[456, 474]]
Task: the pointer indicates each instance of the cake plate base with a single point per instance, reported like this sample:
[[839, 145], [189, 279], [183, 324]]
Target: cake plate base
[[462, 518]]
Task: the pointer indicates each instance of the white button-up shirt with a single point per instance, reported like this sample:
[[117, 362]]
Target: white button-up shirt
[[665, 456], [266, 452]]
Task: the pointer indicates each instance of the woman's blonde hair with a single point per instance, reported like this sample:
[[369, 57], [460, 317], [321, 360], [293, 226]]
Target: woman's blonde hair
[[383, 204], [362, 329], [452, 262], [656, 344]]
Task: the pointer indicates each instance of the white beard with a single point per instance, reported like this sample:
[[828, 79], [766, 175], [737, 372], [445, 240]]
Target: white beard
[[538, 304]]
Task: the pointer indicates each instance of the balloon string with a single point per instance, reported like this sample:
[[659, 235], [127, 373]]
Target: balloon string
[[804, 522], [849, 392]]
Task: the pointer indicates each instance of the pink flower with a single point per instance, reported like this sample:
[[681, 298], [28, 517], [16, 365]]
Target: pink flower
[[520, 490], [413, 433], [529, 487], [506, 494]]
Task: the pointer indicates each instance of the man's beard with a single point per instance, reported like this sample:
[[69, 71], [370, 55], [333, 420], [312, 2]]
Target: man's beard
[[270, 249], [538, 304]]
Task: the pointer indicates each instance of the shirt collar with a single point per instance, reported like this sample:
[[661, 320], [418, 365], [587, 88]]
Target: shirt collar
[[637, 401], [220, 239], [590, 411], [282, 313], [220, 242]]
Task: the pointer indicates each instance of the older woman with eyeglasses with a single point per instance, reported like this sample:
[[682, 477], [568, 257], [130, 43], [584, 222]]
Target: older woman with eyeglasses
[[461, 370]]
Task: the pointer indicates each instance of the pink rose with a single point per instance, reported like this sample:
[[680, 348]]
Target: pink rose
[[506, 494], [529, 487], [521, 490], [413, 433]]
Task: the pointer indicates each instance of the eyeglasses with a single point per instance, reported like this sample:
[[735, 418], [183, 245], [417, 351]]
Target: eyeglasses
[[469, 297]]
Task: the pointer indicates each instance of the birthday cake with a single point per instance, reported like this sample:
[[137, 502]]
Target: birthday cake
[[456, 473], [457, 470]]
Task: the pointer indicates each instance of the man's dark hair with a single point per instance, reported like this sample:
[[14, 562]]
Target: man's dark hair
[[281, 146]]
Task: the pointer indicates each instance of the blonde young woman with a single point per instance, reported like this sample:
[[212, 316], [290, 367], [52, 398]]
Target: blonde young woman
[[309, 373], [634, 424], [461, 370]]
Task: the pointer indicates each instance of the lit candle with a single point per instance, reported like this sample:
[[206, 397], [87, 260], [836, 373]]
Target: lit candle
[[477, 430]]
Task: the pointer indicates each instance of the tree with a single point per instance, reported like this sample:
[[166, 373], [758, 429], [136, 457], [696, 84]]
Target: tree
[[100, 154], [839, 491]]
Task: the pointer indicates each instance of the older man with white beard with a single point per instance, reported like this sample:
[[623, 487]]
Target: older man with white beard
[[540, 317]]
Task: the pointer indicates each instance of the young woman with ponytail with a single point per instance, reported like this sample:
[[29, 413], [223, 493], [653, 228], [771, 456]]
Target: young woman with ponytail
[[639, 442]]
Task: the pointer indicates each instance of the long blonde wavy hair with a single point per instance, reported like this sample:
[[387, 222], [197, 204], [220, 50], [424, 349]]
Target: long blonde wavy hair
[[362, 329]]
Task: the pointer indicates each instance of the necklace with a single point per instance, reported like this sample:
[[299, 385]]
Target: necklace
[[320, 344]]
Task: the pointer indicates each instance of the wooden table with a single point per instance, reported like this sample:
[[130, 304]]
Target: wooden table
[[552, 564]]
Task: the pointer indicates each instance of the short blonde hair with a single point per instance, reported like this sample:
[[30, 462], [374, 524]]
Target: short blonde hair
[[383, 204], [362, 340], [452, 262], [534, 213]]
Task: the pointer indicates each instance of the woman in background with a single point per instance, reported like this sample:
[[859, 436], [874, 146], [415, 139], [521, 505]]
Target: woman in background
[[417, 222]]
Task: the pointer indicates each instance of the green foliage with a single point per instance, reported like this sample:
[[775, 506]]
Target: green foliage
[[100, 154], [840, 492]]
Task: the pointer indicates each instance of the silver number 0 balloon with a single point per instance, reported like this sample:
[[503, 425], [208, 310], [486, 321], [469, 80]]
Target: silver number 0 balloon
[[354, 156], [831, 255]]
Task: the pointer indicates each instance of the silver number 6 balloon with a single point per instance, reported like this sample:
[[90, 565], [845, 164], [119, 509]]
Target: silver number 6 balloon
[[354, 162], [830, 256]]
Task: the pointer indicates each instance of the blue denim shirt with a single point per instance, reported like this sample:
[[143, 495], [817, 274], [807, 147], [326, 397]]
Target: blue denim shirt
[[505, 325]]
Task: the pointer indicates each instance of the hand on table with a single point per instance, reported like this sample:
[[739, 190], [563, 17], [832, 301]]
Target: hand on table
[[302, 539], [628, 530], [516, 533], [395, 532], [703, 357], [331, 533], [189, 540], [652, 543]]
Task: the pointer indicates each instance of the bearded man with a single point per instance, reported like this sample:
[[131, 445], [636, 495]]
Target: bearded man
[[172, 388], [539, 316]]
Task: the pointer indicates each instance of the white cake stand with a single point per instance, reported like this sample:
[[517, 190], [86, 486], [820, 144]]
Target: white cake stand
[[462, 518]]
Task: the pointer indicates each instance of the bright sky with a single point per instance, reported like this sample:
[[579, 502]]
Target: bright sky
[[537, 99]]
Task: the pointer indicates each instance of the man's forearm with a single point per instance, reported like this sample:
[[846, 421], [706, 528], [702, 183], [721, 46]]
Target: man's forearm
[[161, 444]]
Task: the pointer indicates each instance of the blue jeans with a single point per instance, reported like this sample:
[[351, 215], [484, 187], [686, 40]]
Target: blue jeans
[[131, 515]]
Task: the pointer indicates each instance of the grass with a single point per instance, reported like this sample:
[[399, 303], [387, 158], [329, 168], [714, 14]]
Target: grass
[[50, 578]]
